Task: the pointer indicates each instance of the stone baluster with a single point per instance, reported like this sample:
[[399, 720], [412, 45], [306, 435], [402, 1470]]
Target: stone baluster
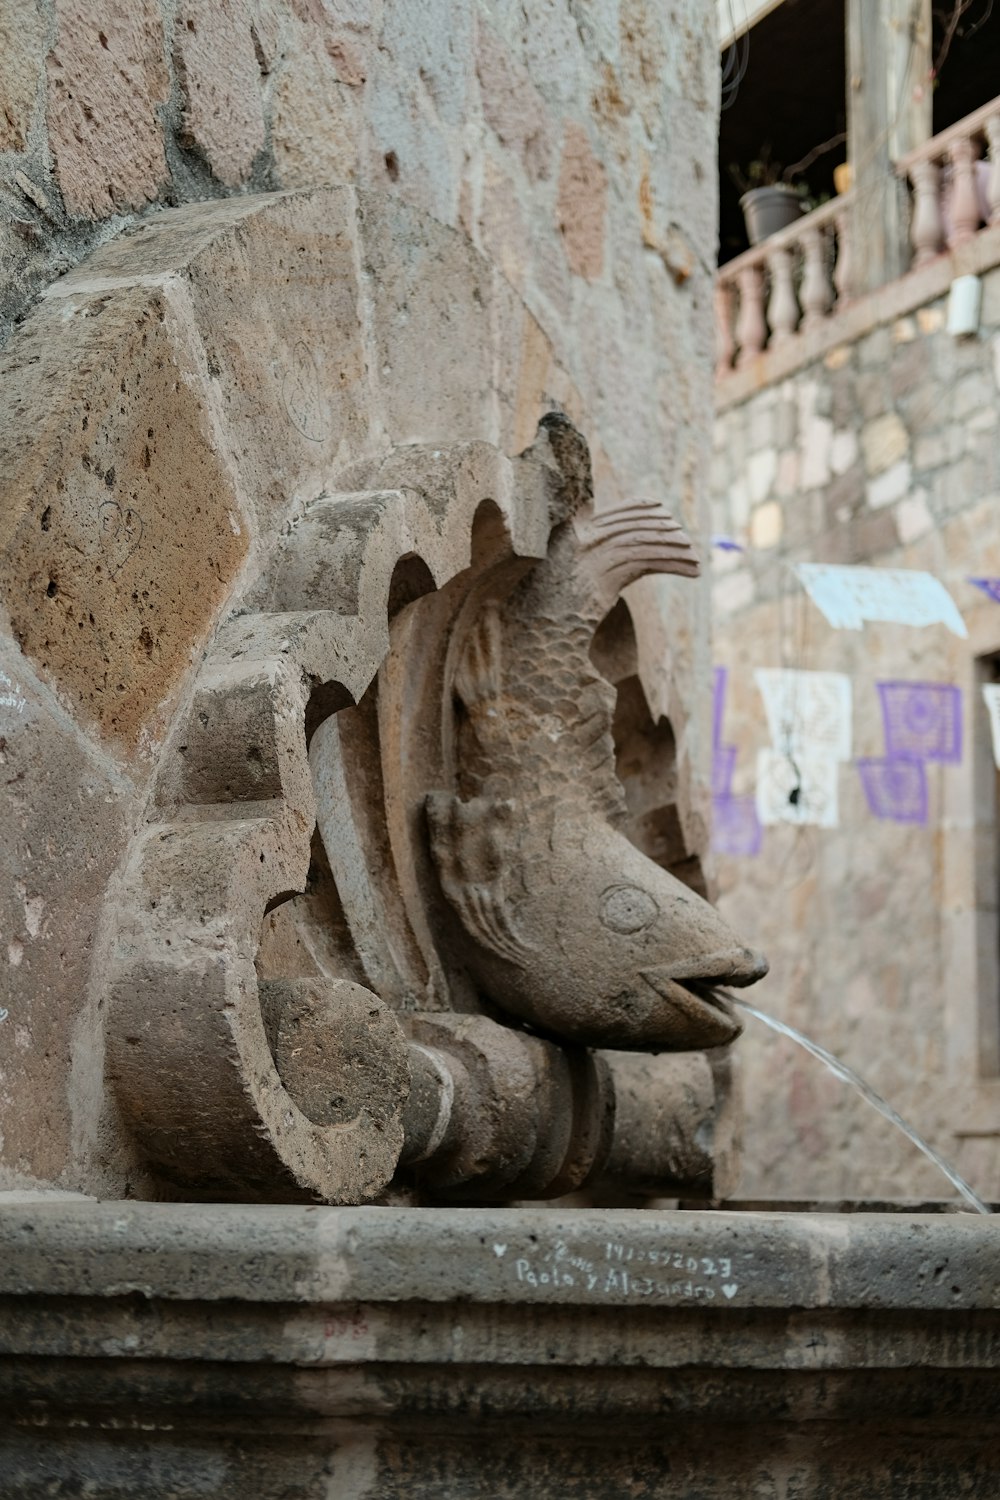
[[725, 345], [964, 198], [751, 328], [993, 190], [842, 270], [783, 306], [817, 293], [926, 230]]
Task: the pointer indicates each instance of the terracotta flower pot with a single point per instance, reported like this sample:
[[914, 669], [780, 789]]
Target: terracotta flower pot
[[768, 209]]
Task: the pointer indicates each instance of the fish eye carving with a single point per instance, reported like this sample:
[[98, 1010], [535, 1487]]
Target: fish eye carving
[[627, 908]]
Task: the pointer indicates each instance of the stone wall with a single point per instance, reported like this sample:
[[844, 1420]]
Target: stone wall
[[881, 932], [573, 143], [569, 149]]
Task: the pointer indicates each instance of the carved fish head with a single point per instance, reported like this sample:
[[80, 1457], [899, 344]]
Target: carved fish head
[[578, 933]]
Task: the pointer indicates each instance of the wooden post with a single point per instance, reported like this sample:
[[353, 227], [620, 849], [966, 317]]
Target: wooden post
[[888, 114], [843, 276]]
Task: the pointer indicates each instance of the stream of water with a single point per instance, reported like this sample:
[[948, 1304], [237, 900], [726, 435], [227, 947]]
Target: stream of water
[[866, 1091]]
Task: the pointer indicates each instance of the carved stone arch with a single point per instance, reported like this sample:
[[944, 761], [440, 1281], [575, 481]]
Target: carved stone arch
[[646, 761]]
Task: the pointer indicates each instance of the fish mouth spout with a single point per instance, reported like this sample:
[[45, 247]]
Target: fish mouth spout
[[695, 1015]]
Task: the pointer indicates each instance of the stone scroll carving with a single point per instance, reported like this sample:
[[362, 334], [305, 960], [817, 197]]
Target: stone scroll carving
[[386, 906]]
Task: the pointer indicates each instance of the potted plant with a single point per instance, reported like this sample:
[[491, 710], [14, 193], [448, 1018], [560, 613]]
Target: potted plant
[[771, 199], [768, 201]]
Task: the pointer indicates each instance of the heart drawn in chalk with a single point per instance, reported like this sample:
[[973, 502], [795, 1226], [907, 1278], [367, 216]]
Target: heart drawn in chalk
[[120, 533], [304, 396], [730, 1289], [499, 1251]]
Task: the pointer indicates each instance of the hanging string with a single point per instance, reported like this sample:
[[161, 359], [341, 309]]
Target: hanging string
[[735, 59]]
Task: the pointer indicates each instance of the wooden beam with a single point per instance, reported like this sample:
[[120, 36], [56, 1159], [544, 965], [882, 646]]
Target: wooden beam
[[888, 114], [737, 16]]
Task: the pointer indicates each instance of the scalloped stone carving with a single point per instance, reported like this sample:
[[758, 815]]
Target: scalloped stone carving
[[246, 468]]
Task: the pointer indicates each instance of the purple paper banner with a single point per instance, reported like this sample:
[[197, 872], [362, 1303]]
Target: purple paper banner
[[922, 721], [718, 703], [989, 586], [896, 789], [723, 766], [736, 829]]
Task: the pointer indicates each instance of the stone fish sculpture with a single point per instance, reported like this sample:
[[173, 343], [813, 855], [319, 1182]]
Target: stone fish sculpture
[[391, 825], [564, 923]]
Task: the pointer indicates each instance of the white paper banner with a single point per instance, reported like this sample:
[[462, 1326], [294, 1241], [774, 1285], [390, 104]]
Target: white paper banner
[[991, 697], [807, 712], [797, 789], [898, 596]]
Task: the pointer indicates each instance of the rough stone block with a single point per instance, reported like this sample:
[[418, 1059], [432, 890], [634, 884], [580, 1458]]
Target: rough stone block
[[816, 437], [121, 531], [913, 517], [908, 370], [787, 479], [889, 486], [22, 44], [65, 814], [761, 472], [513, 109], [273, 283], [884, 442], [219, 78], [315, 121], [766, 525], [430, 40], [739, 502], [550, 43], [502, 229], [428, 286], [843, 451], [972, 393], [931, 450], [582, 204], [786, 423], [107, 78], [405, 143], [838, 358]]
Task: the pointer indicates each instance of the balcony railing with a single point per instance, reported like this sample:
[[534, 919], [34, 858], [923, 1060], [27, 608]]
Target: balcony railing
[[789, 282], [795, 280], [955, 178]]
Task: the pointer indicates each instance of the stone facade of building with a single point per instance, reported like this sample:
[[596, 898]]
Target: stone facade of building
[[872, 442]]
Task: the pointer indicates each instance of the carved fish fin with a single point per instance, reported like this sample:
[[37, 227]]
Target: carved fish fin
[[470, 845], [633, 538], [480, 668]]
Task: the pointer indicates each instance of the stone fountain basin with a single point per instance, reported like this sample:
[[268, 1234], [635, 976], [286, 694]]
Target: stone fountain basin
[[181, 1350]]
